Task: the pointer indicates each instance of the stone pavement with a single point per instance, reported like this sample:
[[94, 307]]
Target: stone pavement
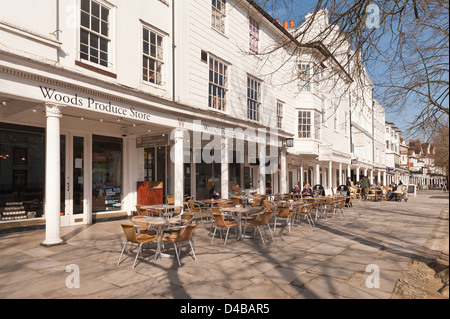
[[336, 260]]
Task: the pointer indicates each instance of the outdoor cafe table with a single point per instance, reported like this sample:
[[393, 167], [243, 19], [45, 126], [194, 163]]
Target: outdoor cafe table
[[162, 209], [159, 223], [239, 211], [211, 202], [245, 199]]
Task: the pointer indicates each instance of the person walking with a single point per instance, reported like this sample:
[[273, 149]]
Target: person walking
[[365, 185]]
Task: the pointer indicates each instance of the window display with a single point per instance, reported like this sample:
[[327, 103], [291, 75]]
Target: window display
[[106, 173], [22, 161]]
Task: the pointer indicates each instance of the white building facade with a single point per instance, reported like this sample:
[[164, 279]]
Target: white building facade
[[98, 97]]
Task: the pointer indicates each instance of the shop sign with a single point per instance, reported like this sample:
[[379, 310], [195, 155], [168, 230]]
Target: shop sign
[[89, 103], [152, 141]]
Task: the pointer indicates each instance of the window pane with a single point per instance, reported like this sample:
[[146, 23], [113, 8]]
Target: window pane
[[95, 25], [105, 14], [84, 19], [95, 9], [85, 4]]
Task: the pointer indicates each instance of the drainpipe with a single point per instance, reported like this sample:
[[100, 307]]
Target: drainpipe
[[373, 132], [173, 51]]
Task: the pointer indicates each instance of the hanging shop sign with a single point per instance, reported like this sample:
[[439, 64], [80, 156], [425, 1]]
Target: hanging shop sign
[[152, 141]]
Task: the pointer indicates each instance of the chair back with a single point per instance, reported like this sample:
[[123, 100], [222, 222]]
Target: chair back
[[308, 208], [235, 200], [140, 211], [186, 233], [283, 211], [219, 220], [226, 204], [188, 217], [137, 221], [170, 199], [191, 205], [176, 212], [268, 206], [130, 232], [258, 202], [265, 217]]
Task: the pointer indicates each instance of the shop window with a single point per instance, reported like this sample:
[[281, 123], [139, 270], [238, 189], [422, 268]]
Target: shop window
[[22, 163], [106, 173]]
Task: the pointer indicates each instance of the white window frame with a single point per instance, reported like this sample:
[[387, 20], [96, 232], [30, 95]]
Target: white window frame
[[305, 76], [218, 15], [219, 69], [304, 124], [317, 124], [110, 67], [253, 26], [157, 57], [280, 110], [254, 99]]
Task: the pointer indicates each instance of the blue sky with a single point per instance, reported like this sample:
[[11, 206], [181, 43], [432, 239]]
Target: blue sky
[[296, 10]]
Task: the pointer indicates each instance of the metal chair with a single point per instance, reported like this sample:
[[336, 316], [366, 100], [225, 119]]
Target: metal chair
[[305, 211], [133, 237], [283, 213], [260, 220], [221, 223], [184, 237]]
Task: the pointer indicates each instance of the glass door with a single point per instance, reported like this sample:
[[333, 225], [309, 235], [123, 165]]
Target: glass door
[[75, 176]]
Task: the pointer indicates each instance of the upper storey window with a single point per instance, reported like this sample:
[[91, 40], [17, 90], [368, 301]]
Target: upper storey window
[[218, 15], [94, 33], [254, 35], [152, 60]]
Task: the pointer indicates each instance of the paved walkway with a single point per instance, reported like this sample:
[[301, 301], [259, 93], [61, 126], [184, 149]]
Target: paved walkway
[[337, 259]]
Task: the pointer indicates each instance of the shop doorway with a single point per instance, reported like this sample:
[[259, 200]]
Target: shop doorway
[[74, 172]]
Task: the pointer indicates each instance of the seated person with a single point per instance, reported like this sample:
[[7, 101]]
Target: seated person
[[296, 190], [214, 194], [307, 191], [236, 189]]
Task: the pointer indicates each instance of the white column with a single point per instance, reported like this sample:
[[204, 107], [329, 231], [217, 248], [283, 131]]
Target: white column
[[262, 168], [301, 178], [283, 171], [340, 175], [330, 176], [224, 174], [52, 177], [317, 174], [178, 166], [357, 174], [193, 177], [349, 170], [379, 176]]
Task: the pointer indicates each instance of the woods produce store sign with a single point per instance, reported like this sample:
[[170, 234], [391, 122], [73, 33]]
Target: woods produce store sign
[[89, 103]]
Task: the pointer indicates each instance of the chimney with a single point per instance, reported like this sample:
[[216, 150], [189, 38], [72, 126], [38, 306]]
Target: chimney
[[292, 26], [277, 20], [285, 25]]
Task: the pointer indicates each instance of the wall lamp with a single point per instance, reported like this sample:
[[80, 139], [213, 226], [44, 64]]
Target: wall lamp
[[288, 142]]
